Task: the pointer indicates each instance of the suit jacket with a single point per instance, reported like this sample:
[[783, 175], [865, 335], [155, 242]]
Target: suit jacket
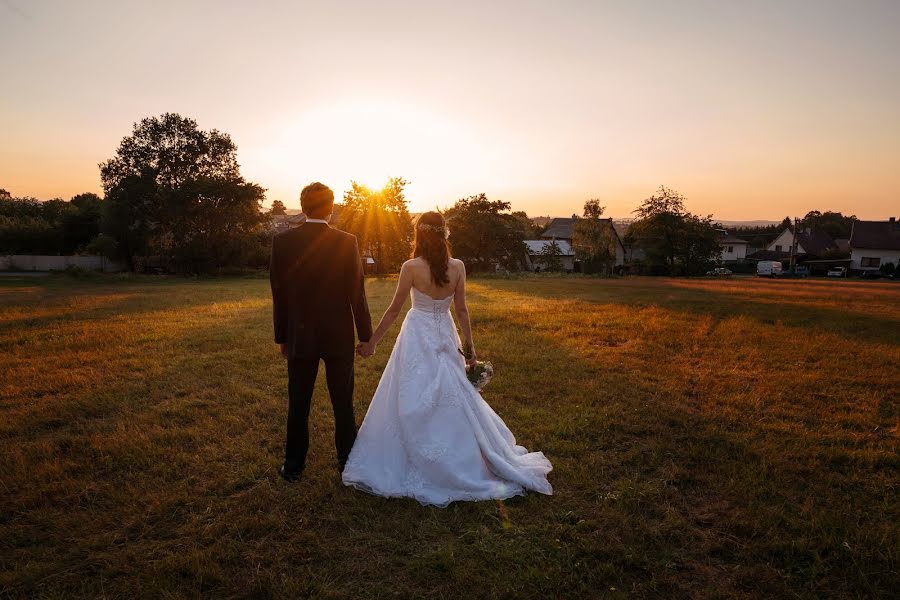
[[318, 291]]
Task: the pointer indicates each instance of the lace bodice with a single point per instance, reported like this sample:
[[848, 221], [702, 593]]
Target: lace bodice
[[424, 302]]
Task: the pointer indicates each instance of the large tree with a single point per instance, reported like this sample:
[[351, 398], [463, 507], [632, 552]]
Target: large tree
[[835, 224], [175, 191], [380, 221], [594, 239], [278, 208], [484, 233], [673, 237]]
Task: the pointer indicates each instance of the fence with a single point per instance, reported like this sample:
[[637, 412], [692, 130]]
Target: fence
[[27, 262]]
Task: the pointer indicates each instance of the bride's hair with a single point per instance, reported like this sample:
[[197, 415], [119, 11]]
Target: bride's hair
[[430, 243]]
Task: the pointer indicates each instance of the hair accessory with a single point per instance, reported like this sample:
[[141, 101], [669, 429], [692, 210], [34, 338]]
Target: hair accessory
[[442, 229]]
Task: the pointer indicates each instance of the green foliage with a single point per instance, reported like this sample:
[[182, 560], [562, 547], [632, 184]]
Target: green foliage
[[29, 226], [672, 237], [102, 245], [835, 224], [550, 256], [485, 234], [594, 239], [278, 208], [380, 221], [532, 229], [175, 192]]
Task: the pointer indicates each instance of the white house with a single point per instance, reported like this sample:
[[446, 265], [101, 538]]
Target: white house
[[873, 244], [562, 229], [809, 241], [535, 247], [733, 247]]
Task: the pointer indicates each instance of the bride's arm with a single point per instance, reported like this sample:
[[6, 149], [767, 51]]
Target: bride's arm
[[393, 311], [462, 314]]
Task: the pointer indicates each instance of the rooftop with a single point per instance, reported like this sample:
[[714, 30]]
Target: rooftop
[[876, 235], [535, 246]]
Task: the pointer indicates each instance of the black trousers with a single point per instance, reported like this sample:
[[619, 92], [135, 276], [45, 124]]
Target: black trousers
[[302, 374]]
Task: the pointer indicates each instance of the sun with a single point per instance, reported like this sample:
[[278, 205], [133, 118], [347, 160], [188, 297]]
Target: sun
[[369, 140]]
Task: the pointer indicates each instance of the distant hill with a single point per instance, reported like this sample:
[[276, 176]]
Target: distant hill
[[746, 223]]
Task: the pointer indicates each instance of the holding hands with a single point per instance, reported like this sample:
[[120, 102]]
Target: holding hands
[[366, 349]]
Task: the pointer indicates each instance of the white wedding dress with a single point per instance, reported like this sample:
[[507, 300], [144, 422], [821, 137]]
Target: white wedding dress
[[428, 433]]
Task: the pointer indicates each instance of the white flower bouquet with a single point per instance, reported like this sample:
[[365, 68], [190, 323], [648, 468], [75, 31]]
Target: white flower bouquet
[[479, 374]]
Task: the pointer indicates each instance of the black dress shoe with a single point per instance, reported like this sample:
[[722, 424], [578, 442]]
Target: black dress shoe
[[290, 475]]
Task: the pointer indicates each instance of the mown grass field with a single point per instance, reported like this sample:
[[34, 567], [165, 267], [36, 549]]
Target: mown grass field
[[710, 439]]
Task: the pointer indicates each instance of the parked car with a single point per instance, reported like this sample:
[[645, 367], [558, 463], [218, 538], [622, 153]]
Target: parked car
[[875, 274], [769, 268], [719, 272], [837, 272], [799, 271]]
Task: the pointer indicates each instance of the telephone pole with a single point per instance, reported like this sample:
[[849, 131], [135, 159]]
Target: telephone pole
[[792, 269]]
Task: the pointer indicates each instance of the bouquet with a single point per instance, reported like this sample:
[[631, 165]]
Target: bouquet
[[479, 374]]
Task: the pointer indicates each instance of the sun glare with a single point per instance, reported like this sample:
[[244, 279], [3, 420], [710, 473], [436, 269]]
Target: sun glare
[[369, 141]]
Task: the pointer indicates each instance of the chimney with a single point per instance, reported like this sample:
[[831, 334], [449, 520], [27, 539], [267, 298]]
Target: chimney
[[892, 219]]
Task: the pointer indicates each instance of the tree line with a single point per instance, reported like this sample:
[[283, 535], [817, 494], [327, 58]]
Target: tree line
[[175, 200]]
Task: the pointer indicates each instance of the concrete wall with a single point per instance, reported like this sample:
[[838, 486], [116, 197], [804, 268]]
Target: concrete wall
[[27, 262]]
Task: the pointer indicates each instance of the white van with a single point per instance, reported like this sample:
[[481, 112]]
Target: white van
[[768, 268]]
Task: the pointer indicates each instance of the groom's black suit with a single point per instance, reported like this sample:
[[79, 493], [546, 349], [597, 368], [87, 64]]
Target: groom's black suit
[[317, 293]]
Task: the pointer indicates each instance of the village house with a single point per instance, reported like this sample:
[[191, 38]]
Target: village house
[[874, 244], [734, 249], [294, 217], [810, 242], [534, 256], [561, 230]]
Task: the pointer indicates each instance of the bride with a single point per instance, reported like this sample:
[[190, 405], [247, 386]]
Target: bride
[[428, 433]]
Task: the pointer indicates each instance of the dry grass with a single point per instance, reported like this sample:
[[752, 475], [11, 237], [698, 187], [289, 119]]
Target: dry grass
[[710, 439]]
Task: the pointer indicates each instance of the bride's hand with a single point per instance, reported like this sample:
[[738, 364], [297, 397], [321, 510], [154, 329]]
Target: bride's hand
[[365, 349], [472, 359]]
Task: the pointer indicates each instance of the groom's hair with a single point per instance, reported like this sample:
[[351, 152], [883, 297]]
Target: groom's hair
[[317, 201]]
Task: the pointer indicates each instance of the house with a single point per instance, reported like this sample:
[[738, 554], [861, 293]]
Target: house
[[873, 244], [563, 228], [560, 228], [734, 249], [533, 258], [810, 242], [294, 218]]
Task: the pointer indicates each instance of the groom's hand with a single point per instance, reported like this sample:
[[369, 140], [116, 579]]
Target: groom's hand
[[365, 349], [284, 350]]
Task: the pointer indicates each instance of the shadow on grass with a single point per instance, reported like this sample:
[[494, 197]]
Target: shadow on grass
[[705, 302]]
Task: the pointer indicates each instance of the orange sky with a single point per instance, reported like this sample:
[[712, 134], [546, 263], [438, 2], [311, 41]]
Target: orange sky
[[752, 110]]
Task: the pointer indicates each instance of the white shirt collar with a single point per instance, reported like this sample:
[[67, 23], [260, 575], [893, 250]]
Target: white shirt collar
[[323, 221]]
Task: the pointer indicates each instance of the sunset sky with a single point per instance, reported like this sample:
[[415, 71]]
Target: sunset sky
[[753, 110]]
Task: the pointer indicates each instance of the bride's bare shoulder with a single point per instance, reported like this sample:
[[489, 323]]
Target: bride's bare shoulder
[[457, 264]]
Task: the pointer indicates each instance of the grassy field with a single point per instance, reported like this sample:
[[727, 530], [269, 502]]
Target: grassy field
[[710, 439]]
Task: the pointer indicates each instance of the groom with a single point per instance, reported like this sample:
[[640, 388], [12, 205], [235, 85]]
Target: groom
[[317, 294]]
